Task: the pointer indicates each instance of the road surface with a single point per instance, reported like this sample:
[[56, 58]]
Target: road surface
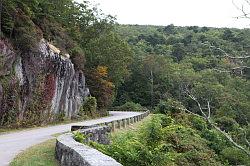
[[13, 143]]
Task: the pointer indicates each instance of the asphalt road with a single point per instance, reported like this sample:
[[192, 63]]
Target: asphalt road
[[13, 143]]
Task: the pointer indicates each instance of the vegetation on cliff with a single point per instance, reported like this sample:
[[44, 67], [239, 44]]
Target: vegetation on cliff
[[79, 31]]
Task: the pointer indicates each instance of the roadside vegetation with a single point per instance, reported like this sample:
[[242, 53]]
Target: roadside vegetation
[[175, 138], [39, 155]]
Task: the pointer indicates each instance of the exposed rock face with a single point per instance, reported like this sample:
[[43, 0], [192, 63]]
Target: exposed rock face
[[46, 85]]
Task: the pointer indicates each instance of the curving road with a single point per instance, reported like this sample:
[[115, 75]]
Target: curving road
[[13, 143]]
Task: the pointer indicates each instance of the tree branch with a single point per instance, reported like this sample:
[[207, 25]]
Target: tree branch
[[245, 135], [245, 15], [226, 55], [207, 118], [222, 71], [209, 109], [197, 102], [241, 67]]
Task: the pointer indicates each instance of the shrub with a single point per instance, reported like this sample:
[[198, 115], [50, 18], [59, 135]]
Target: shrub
[[77, 58], [235, 156], [151, 132], [89, 107], [198, 123], [227, 124], [215, 140], [169, 106], [25, 33], [166, 120], [158, 145], [78, 136], [162, 107], [131, 106], [140, 147]]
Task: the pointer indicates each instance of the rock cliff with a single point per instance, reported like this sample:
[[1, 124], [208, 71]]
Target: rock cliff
[[38, 86]]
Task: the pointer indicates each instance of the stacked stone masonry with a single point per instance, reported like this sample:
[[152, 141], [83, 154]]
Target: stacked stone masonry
[[72, 153]]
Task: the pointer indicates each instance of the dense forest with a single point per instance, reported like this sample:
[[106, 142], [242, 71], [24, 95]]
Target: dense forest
[[196, 79]]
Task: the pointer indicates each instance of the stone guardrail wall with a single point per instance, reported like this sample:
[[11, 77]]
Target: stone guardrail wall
[[72, 153], [118, 109], [117, 124]]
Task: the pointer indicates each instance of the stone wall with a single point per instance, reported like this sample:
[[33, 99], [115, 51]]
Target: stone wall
[[97, 134], [72, 153], [117, 124]]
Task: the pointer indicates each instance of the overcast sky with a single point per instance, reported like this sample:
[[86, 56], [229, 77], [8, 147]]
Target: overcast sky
[[212, 13]]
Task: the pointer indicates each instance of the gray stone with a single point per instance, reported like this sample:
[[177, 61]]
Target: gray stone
[[71, 153], [68, 85], [97, 134]]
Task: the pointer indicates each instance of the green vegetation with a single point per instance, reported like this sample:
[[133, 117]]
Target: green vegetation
[[89, 107], [130, 106], [42, 154], [173, 57], [78, 29], [173, 139], [189, 74], [197, 78], [78, 136]]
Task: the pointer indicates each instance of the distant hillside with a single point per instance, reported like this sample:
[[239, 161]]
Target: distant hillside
[[189, 40]]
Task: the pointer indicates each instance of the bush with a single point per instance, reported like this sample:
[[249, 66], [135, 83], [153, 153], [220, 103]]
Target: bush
[[166, 120], [77, 58], [198, 123], [131, 106], [162, 107], [89, 107], [151, 132], [138, 148], [227, 124], [215, 140], [235, 156], [160, 142], [25, 33], [169, 106], [78, 136]]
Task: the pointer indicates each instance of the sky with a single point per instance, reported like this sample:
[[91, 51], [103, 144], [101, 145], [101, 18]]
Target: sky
[[211, 13]]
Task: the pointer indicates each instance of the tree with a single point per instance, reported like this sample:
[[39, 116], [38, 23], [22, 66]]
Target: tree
[[100, 86], [111, 51], [207, 117], [237, 64], [178, 51], [241, 6]]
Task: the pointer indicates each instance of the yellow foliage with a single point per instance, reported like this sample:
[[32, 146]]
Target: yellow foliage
[[110, 84], [102, 71]]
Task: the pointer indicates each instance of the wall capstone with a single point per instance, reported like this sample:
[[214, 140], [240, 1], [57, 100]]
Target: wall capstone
[[72, 153]]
